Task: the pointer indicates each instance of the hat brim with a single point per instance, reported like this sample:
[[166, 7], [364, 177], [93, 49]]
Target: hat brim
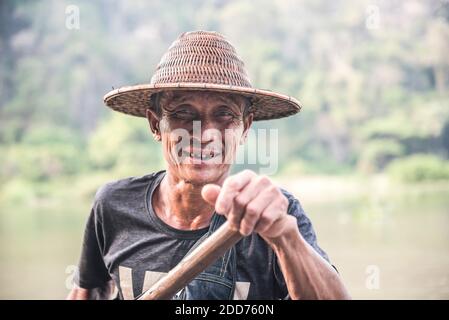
[[266, 105]]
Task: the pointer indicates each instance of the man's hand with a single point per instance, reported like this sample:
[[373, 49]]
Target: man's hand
[[251, 203]]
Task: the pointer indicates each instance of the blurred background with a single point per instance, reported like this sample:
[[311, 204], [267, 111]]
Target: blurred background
[[367, 156]]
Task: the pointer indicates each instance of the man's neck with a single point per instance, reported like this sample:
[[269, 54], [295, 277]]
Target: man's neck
[[180, 205]]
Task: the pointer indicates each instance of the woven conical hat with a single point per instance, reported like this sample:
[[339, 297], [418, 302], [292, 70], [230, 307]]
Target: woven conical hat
[[201, 60]]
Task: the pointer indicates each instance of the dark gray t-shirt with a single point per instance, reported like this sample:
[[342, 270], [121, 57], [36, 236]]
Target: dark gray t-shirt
[[127, 242]]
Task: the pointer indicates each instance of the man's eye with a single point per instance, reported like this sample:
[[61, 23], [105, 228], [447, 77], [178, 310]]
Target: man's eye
[[184, 114], [226, 114]]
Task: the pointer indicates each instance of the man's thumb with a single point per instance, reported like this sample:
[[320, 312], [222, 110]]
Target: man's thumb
[[210, 193]]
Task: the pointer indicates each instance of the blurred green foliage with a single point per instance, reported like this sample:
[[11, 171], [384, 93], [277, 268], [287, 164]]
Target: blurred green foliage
[[419, 168], [373, 96], [123, 144]]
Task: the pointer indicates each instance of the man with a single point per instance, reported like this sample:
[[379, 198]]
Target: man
[[141, 227]]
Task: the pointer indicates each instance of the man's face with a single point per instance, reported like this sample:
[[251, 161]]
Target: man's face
[[200, 133]]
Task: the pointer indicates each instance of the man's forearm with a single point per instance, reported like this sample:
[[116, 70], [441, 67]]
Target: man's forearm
[[307, 274]]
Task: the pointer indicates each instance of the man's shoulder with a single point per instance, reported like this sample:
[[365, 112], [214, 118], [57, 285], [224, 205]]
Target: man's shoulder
[[124, 188]]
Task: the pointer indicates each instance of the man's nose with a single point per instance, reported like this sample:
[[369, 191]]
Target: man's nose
[[209, 131]]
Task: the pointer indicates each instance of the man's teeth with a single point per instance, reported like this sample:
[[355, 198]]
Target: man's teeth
[[201, 156]]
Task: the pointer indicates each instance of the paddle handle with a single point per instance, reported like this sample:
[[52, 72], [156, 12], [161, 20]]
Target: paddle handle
[[193, 264]]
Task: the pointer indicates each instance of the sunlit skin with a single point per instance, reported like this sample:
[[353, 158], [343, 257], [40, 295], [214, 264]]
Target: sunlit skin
[[192, 190], [217, 116], [178, 200]]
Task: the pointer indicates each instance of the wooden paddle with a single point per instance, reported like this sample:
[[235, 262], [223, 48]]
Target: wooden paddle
[[193, 264]]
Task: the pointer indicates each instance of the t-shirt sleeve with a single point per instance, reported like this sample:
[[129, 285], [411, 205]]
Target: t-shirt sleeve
[[306, 229], [304, 224], [92, 272]]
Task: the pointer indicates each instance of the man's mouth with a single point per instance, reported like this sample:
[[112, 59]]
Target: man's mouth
[[202, 155]]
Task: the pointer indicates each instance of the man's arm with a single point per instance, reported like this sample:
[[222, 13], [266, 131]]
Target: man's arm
[[306, 273], [91, 279]]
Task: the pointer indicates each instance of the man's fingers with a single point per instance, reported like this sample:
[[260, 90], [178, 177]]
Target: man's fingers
[[210, 193], [269, 217], [251, 203], [250, 192], [253, 212], [237, 210], [231, 187]]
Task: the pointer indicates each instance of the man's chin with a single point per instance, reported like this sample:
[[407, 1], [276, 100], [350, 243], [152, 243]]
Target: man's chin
[[202, 175]]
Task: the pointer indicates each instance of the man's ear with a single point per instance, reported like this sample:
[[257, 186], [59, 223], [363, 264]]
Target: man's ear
[[153, 121], [247, 121]]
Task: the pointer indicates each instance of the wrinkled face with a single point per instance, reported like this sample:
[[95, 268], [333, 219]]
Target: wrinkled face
[[200, 133]]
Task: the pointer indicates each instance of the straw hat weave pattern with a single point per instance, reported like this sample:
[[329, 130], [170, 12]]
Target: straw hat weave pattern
[[205, 61]]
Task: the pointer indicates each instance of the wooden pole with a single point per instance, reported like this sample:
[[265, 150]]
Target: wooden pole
[[193, 264]]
